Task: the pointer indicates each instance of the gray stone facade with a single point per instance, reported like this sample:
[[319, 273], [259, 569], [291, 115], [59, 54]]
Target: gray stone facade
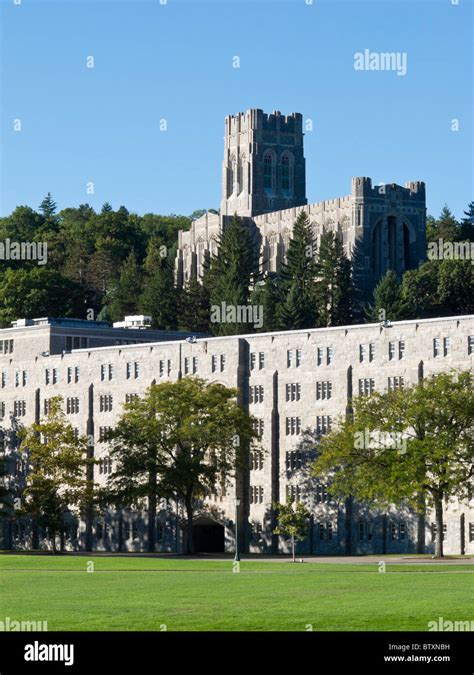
[[292, 382], [263, 181]]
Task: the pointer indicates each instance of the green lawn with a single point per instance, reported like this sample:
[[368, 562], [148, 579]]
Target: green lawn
[[145, 593]]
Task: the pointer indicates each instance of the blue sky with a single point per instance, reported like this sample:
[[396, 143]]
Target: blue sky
[[173, 61]]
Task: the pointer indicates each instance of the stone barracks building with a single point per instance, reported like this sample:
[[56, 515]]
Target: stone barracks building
[[290, 381]]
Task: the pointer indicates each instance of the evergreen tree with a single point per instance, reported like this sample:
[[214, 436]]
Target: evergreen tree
[[232, 272], [297, 278], [159, 297], [388, 302], [48, 206], [446, 227], [194, 307], [334, 283], [106, 208], [266, 295], [467, 223], [124, 297], [455, 284]]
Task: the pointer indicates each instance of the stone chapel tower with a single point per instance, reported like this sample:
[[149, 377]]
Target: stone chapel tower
[[264, 165]]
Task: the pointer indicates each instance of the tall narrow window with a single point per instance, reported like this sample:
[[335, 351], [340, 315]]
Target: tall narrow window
[[285, 173], [268, 171]]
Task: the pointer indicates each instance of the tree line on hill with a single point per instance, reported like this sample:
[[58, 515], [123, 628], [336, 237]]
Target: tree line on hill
[[114, 263]]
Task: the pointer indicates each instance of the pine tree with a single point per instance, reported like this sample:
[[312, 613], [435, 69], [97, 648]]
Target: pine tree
[[125, 295], [467, 223], [446, 227], [388, 302], [194, 307], [232, 272], [106, 207], [159, 297], [48, 206], [334, 284], [266, 295], [297, 278]]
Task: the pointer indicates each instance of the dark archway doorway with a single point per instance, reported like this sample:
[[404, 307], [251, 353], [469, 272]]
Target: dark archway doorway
[[208, 536]]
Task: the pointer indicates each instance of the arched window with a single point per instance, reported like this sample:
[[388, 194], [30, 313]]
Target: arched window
[[268, 171], [287, 173]]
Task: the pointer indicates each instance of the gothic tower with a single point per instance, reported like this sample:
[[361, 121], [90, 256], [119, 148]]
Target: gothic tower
[[264, 165]]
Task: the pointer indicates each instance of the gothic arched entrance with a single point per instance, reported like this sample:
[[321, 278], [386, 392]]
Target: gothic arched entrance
[[208, 535]]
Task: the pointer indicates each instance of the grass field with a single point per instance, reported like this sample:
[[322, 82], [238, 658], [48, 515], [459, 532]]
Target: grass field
[[146, 593]]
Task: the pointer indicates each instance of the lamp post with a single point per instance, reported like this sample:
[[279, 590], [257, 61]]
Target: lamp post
[[237, 504]]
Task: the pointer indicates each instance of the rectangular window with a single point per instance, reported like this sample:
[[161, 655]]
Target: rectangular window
[[471, 532], [322, 496], [72, 405], [362, 353], [256, 394], [401, 349], [258, 427], [366, 386], [213, 363], [256, 460], [320, 356], [470, 344], [293, 492], [391, 351], [434, 531], [289, 358], [19, 408], [294, 460], [129, 371], [252, 360], [393, 531], [329, 355], [111, 372], [323, 424], [436, 347], [4, 379], [261, 360], [223, 360], [446, 346], [105, 403], [395, 383], [371, 351], [323, 390], [69, 375], [402, 531], [293, 426], [162, 368], [293, 392]]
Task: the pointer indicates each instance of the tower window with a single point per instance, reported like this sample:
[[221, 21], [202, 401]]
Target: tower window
[[286, 173], [268, 171]]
